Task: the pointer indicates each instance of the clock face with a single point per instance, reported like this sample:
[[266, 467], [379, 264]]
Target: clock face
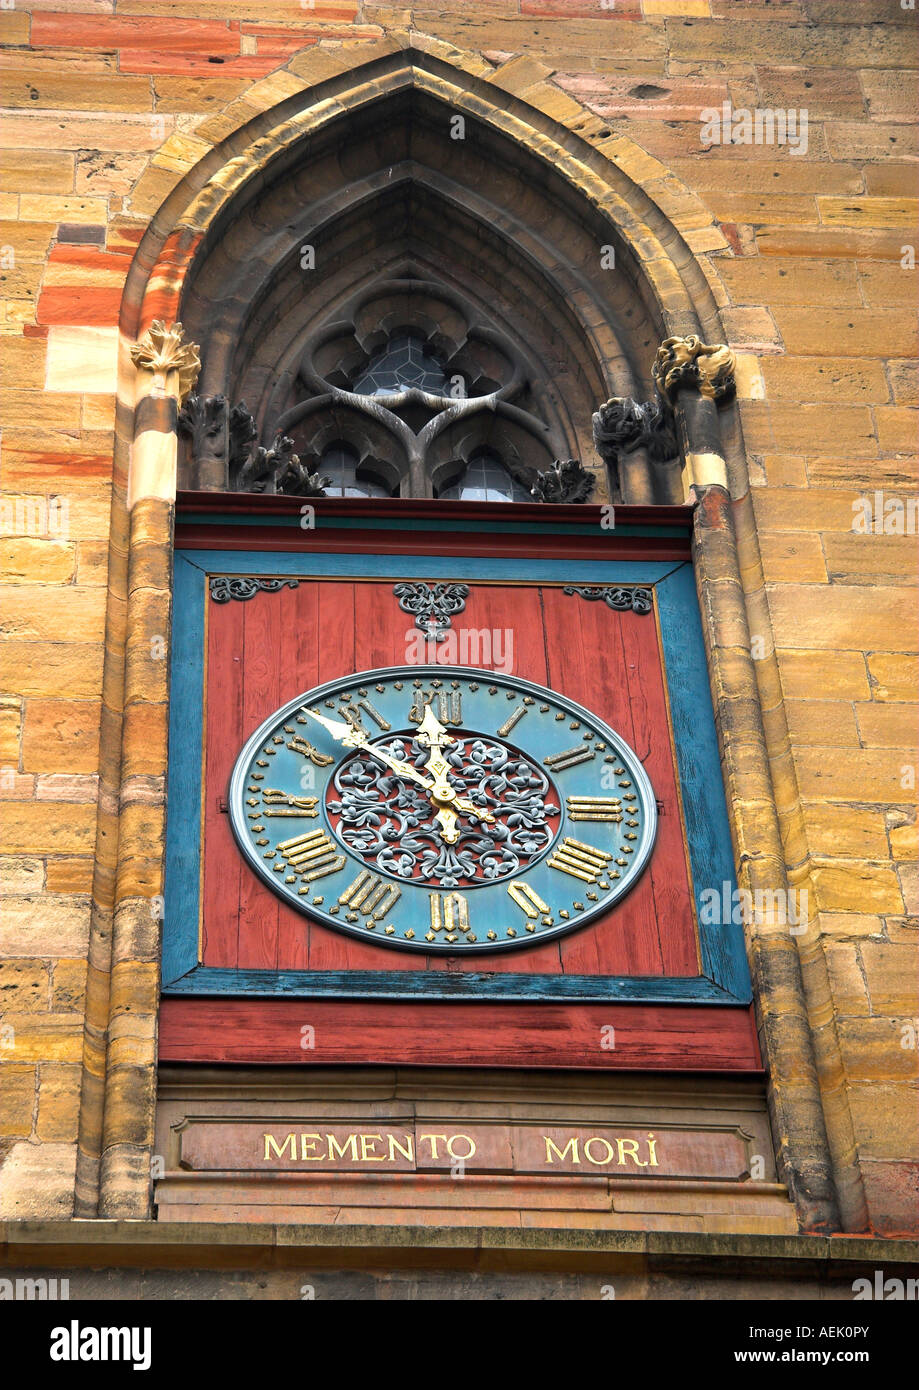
[[442, 809]]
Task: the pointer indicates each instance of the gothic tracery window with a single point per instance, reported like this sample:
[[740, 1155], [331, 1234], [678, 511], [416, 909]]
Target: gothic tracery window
[[485, 479]]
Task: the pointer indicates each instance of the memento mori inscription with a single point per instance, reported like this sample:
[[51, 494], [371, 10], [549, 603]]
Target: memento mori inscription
[[548, 1150]]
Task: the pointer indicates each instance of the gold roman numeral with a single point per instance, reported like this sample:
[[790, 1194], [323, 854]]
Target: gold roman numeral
[[447, 705], [312, 855], [581, 861], [527, 898], [605, 808], [449, 914], [569, 758], [511, 720], [370, 896]]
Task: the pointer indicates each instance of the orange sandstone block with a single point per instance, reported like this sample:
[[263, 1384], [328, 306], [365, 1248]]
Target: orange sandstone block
[[61, 736], [37, 561], [17, 1099], [10, 728], [888, 725], [892, 676], [821, 722], [814, 674], [855, 774], [849, 831], [49, 827]]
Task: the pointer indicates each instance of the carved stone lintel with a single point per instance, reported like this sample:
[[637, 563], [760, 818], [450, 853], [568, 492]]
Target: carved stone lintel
[[432, 606], [162, 351], [683, 361], [224, 587], [621, 598], [565, 481]]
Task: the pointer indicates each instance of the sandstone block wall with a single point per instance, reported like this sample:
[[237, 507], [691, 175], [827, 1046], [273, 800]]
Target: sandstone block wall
[[811, 256]]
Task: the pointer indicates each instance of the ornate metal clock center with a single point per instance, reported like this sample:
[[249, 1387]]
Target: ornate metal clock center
[[393, 827]]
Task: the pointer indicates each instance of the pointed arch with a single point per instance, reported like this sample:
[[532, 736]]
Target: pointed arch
[[199, 188]]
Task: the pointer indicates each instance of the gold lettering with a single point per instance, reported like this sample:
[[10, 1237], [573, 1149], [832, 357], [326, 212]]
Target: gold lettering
[[366, 1141], [407, 1150], [562, 1153], [304, 1147], [632, 1146], [291, 1140], [652, 1150], [596, 1139], [433, 1138], [469, 1140], [350, 1142]]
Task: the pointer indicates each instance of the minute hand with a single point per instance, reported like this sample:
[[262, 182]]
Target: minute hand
[[349, 736]]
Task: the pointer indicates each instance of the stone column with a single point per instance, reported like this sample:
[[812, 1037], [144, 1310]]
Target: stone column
[[167, 368], [694, 377]]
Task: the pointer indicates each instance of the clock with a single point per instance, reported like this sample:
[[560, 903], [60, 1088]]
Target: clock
[[442, 809]]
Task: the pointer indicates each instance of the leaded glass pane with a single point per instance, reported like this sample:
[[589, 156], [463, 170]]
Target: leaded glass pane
[[486, 480], [402, 363], [340, 467]]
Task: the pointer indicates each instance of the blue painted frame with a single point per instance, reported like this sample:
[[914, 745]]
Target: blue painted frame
[[725, 977]]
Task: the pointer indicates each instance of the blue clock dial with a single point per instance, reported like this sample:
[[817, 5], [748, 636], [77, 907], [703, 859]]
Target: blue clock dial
[[442, 809]]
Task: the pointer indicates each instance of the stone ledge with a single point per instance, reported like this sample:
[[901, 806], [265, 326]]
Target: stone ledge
[[205, 1245]]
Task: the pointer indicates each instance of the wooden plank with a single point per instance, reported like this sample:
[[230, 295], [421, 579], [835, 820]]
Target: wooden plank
[[661, 1038], [450, 985], [222, 861], [258, 906], [676, 928], [186, 733], [698, 759]]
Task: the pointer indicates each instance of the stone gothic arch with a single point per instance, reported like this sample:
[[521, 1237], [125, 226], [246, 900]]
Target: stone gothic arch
[[570, 185]]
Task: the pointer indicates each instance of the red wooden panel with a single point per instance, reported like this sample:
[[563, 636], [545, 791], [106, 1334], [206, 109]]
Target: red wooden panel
[[289, 641], [671, 1037]]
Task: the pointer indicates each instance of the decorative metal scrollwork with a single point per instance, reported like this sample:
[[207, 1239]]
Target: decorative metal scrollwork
[[432, 606], [616, 596], [392, 825], [224, 587]]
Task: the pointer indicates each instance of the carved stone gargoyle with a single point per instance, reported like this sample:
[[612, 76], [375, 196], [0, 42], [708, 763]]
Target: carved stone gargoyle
[[566, 481], [622, 425]]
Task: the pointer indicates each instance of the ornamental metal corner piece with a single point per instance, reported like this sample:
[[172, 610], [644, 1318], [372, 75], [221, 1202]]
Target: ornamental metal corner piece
[[224, 587], [432, 606], [619, 597]]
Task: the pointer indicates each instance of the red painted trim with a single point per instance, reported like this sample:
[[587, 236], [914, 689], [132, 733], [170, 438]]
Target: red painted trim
[[251, 504], [408, 533], [559, 1036]]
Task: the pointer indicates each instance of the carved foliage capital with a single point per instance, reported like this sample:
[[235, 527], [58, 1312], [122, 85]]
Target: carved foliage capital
[[566, 481], [684, 361], [162, 351]]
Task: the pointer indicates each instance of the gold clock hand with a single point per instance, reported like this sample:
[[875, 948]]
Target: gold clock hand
[[434, 734], [349, 736], [440, 790]]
